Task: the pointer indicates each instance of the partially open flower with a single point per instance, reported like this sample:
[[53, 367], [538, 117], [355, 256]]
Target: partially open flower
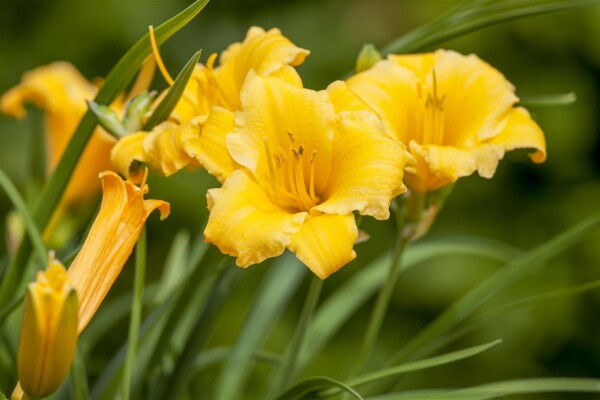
[[177, 144], [455, 114], [110, 241], [48, 332]]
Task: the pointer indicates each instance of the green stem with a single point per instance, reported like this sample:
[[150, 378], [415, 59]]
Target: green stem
[[310, 303], [136, 313], [30, 226], [381, 304]]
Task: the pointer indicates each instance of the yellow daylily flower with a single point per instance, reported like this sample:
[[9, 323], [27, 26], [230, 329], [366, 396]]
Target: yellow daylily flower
[[307, 161], [48, 332], [60, 304], [169, 148], [110, 241], [61, 91], [455, 113]]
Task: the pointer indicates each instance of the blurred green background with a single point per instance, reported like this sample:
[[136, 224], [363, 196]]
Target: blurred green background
[[523, 205]]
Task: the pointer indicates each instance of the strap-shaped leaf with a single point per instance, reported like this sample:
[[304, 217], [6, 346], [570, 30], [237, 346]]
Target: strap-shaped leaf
[[303, 389], [497, 390], [470, 16], [513, 271], [416, 366], [278, 286], [169, 102]]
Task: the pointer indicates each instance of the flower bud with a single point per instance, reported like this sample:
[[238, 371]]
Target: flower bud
[[367, 57], [48, 331]]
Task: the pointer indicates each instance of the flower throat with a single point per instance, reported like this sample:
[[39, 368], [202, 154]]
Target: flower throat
[[288, 186], [431, 121]]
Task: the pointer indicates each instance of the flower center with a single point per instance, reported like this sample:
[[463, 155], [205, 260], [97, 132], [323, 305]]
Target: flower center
[[431, 122], [289, 186]]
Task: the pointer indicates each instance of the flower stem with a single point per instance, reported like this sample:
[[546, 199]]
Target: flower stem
[[310, 303], [136, 313], [381, 305]]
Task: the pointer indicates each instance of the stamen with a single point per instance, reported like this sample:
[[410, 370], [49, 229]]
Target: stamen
[[159, 62], [143, 185], [269, 161], [311, 184], [291, 135]]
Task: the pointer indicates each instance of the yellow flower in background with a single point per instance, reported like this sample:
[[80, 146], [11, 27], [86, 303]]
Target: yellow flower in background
[[179, 143], [307, 161], [61, 91], [48, 332], [455, 114], [110, 241]]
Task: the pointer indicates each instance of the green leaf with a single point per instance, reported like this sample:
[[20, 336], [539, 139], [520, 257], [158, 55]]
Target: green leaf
[[563, 99], [419, 365], [168, 103], [178, 380], [78, 376], [30, 226], [116, 82], [213, 356], [530, 301], [136, 313], [303, 389], [501, 389], [278, 286], [470, 16], [176, 268], [504, 277], [344, 302]]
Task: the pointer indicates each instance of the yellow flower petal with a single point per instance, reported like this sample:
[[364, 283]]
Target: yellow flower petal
[[324, 244], [48, 332], [522, 132], [161, 146], [110, 241], [61, 91], [367, 167], [126, 152], [245, 223], [344, 99], [391, 91], [210, 149], [265, 53], [438, 166], [279, 116]]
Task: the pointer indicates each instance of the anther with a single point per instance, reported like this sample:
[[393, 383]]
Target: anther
[[291, 135]]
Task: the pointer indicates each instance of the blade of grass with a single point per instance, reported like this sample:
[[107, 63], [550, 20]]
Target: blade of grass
[[276, 290], [34, 234], [168, 103]]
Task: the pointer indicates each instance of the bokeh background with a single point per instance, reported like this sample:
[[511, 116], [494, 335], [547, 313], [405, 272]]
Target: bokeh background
[[522, 206]]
